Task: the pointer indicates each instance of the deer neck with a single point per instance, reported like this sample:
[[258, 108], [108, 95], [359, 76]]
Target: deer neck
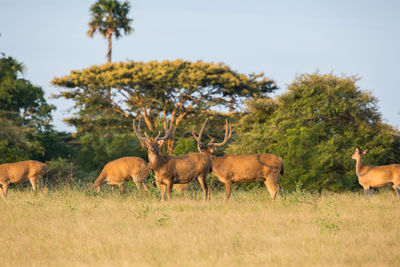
[[358, 165], [155, 161]]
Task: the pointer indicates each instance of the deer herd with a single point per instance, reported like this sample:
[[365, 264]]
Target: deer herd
[[181, 170]]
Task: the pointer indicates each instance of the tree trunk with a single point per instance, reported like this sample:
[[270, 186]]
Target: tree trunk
[[231, 104], [108, 92], [109, 38]]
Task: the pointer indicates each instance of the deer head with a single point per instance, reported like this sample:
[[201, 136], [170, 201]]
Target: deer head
[[210, 147], [358, 154], [153, 144]]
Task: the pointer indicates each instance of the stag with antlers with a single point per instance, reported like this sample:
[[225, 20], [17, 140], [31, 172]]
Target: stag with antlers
[[170, 170], [241, 168]]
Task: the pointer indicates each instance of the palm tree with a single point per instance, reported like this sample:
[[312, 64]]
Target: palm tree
[[109, 17]]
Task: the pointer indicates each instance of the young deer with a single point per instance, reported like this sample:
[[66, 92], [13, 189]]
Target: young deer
[[19, 172], [170, 170], [376, 176], [243, 168], [118, 171]]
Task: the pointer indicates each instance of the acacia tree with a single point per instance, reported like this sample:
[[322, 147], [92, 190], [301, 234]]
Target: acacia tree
[[109, 17], [315, 127], [156, 91]]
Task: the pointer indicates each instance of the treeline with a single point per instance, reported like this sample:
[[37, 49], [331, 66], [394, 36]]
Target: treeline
[[314, 126]]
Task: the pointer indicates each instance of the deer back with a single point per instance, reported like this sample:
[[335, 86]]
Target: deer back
[[183, 169], [247, 168], [127, 167], [377, 176], [20, 171]]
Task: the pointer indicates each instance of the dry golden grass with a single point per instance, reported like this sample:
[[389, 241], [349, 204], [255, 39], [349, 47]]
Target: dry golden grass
[[74, 227]]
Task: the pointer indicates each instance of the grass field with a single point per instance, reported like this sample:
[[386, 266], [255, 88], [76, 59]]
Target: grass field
[[74, 227]]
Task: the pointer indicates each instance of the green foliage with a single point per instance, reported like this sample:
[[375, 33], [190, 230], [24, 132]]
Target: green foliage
[[20, 98], [60, 172], [315, 128], [13, 144], [185, 146], [25, 119], [96, 150]]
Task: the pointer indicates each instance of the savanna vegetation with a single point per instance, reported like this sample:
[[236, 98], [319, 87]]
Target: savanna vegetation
[[319, 217], [314, 126], [73, 226]]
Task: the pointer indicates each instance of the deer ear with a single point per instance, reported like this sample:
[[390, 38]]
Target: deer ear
[[211, 149], [160, 142], [365, 151], [357, 149]]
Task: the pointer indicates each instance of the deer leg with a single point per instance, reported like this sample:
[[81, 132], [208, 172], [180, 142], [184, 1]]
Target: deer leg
[[162, 188], [272, 188], [112, 187], [203, 184], [41, 183], [228, 189], [280, 190], [367, 192], [121, 187], [179, 188], [145, 186], [169, 186], [4, 190], [33, 181], [397, 190], [137, 185]]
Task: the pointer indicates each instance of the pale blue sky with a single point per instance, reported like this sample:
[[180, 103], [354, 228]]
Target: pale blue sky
[[280, 38]]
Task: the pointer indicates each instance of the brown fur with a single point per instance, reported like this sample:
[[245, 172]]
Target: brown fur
[[19, 172], [243, 168], [376, 176], [118, 171], [180, 188], [248, 168], [170, 170]]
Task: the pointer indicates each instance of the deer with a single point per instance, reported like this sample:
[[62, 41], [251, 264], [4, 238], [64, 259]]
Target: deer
[[118, 171], [169, 170], [376, 176], [19, 172], [231, 169]]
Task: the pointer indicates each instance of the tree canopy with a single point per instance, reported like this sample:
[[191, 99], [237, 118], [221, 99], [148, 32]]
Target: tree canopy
[[155, 90], [315, 127], [25, 118], [109, 17]]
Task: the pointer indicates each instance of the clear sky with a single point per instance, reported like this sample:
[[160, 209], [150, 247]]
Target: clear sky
[[280, 38]]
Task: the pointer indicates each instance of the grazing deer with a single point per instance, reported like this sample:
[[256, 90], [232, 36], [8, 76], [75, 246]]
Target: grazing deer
[[242, 168], [118, 171], [170, 170], [376, 176], [19, 172]]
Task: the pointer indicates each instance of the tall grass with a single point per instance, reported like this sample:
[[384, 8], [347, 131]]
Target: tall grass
[[73, 226]]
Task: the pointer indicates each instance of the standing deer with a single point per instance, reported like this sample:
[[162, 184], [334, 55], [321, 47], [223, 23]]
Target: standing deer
[[376, 176], [242, 168], [170, 170], [118, 171], [19, 172]]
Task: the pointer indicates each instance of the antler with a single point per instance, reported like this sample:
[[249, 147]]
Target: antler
[[143, 139], [167, 132], [228, 132], [137, 131], [198, 138]]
